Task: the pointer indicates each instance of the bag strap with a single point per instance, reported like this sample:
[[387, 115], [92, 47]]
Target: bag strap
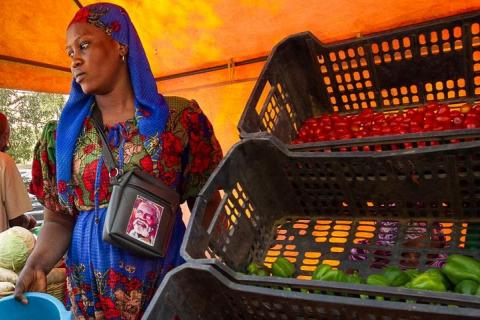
[[113, 171]]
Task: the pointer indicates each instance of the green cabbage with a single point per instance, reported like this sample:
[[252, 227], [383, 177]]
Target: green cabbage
[[16, 244], [7, 275]]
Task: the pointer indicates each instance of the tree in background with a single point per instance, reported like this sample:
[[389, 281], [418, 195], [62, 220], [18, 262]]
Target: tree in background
[[28, 112]]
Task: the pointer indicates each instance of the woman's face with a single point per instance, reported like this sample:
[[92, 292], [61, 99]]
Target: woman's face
[[95, 58]]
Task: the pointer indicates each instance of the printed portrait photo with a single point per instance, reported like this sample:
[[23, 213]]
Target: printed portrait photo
[[144, 220]]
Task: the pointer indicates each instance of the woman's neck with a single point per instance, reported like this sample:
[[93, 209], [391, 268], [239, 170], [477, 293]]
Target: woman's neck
[[115, 109], [117, 105]]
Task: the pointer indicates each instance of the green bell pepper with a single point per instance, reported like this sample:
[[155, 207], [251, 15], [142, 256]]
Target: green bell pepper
[[354, 278], [283, 268], [431, 279], [256, 269], [396, 277], [335, 275], [412, 273], [252, 268], [320, 271], [377, 280], [459, 267], [262, 272], [325, 272], [467, 286]]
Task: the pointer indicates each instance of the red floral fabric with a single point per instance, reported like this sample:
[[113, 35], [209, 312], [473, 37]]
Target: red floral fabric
[[190, 153]]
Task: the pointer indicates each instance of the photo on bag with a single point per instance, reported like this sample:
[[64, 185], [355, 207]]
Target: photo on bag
[[144, 220]]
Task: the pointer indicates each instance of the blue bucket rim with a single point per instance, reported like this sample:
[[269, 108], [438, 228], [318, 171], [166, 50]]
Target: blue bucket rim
[[64, 313]]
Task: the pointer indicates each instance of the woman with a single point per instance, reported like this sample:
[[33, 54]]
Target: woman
[[167, 137], [14, 201]]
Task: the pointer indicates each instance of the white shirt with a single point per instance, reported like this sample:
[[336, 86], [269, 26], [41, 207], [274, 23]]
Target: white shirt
[[14, 199]]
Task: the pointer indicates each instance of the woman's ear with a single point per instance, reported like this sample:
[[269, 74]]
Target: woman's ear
[[123, 50]]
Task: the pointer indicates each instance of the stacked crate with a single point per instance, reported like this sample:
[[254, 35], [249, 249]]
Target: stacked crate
[[353, 210]]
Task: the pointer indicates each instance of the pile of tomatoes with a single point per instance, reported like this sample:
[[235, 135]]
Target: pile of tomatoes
[[431, 117]]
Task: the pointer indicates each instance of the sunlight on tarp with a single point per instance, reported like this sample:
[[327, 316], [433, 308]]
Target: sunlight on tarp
[[183, 31], [181, 36]]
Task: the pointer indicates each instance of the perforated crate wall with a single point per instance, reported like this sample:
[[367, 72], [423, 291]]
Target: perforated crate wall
[[352, 210], [434, 61]]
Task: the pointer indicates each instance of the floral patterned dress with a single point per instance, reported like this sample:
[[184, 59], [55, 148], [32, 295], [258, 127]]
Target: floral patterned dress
[[105, 282]]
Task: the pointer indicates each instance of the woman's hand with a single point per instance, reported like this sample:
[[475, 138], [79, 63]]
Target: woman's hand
[[30, 279], [50, 247]]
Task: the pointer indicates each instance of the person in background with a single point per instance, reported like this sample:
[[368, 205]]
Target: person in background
[[14, 201], [167, 137]]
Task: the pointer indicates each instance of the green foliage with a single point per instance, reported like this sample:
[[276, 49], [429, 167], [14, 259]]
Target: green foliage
[[27, 113]]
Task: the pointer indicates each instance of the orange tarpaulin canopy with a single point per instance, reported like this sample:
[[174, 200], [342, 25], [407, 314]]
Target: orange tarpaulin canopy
[[210, 50]]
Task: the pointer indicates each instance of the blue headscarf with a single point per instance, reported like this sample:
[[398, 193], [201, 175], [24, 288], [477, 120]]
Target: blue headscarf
[[151, 109]]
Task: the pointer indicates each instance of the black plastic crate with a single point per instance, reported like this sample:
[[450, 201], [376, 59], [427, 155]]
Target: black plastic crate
[[411, 66], [196, 291], [354, 210]]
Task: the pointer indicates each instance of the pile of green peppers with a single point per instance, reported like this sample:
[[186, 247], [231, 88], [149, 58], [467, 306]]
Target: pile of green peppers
[[460, 274]]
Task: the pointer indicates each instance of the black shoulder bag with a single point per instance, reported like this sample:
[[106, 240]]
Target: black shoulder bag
[[142, 209]]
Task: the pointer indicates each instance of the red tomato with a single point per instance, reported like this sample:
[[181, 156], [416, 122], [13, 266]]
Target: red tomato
[[405, 126], [325, 120], [443, 110], [321, 137], [476, 108], [438, 127], [457, 120], [360, 134], [414, 123], [443, 119], [335, 117], [340, 124], [471, 116], [327, 128], [414, 129], [428, 115], [379, 118], [366, 114], [302, 133], [375, 130], [411, 113], [421, 110], [432, 106], [470, 124], [386, 130], [428, 125]]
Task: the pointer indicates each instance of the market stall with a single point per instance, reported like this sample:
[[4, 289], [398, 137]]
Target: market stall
[[360, 134]]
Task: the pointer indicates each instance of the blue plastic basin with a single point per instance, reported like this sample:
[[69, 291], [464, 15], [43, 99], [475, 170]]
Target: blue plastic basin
[[40, 306]]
